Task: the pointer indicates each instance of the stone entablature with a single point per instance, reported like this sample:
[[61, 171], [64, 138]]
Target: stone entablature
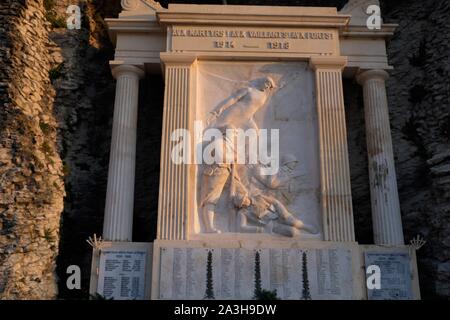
[[144, 29]]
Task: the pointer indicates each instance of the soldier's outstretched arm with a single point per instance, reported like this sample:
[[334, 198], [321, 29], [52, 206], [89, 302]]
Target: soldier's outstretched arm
[[231, 101]]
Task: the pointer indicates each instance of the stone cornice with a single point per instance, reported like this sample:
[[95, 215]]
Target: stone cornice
[[257, 16], [123, 25], [387, 30], [133, 25]]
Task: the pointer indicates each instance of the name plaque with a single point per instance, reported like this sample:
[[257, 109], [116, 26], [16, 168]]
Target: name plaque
[[395, 275], [122, 274], [251, 39], [237, 273]]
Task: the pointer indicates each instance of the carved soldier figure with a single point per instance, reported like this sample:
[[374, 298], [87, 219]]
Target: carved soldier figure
[[285, 184], [237, 112], [215, 176], [261, 213]]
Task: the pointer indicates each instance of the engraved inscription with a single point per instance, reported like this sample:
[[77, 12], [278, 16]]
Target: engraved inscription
[[278, 45], [224, 44], [237, 273], [395, 275], [122, 274], [255, 39], [213, 33]]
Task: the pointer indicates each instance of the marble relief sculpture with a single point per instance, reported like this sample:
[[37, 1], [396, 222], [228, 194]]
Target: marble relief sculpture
[[261, 213], [237, 112], [284, 184], [215, 176], [259, 201]]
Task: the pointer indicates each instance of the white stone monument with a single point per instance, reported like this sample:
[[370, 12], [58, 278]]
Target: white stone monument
[[278, 218]]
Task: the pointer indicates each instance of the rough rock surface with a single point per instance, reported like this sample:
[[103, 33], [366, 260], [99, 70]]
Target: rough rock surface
[[31, 175], [84, 107], [419, 102]]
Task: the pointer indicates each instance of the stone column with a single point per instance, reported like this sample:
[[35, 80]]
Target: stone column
[[336, 198], [118, 221], [175, 195], [387, 223]]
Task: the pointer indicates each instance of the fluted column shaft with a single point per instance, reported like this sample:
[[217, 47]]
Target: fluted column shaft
[[387, 223], [175, 195], [118, 220], [336, 198]]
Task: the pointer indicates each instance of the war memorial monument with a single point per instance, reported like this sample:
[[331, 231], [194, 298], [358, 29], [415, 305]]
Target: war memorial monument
[[255, 190]]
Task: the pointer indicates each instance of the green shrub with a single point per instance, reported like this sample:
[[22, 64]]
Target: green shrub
[[51, 16], [56, 22], [66, 169], [49, 4], [45, 148], [56, 72], [266, 295], [48, 235], [98, 296], [45, 128]]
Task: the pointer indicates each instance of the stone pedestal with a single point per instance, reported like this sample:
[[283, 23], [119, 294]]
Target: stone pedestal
[[236, 270], [118, 222], [387, 224], [298, 270]]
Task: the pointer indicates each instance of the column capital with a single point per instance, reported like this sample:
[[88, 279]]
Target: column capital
[[119, 68], [319, 62], [371, 74], [180, 59]]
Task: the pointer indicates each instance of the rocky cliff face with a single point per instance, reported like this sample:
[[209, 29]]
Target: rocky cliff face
[[57, 97], [419, 102], [84, 105], [419, 105], [31, 171]]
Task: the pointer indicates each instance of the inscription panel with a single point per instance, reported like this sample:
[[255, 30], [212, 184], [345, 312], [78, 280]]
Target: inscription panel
[[241, 39], [122, 274], [236, 273], [395, 275]]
